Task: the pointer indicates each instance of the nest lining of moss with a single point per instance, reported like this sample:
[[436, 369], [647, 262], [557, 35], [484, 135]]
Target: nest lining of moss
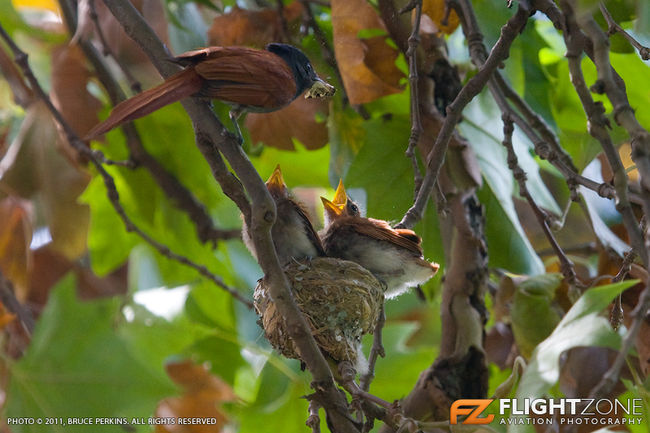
[[340, 300]]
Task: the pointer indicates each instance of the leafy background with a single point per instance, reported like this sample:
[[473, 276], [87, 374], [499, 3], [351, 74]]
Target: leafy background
[[125, 332]]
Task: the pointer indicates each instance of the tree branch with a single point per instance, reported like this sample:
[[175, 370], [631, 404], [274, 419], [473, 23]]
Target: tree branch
[[499, 53], [8, 299], [566, 266], [416, 125], [209, 130], [614, 27]]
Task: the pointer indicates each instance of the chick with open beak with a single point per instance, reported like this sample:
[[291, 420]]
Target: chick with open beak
[[394, 256], [293, 235]]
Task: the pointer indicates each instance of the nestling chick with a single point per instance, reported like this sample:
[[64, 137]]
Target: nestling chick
[[293, 235], [394, 256]]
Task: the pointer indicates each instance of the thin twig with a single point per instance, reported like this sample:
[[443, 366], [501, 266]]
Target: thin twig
[[616, 315], [376, 351], [326, 50], [566, 265], [96, 160], [8, 299], [614, 27], [106, 50], [416, 124], [313, 421]]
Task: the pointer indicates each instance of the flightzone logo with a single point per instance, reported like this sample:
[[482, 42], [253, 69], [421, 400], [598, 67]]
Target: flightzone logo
[[566, 411]]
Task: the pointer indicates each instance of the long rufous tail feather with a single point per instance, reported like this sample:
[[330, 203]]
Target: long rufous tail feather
[[181, 85]]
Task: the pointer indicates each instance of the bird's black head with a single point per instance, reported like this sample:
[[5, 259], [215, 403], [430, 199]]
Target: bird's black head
[[303, 72]]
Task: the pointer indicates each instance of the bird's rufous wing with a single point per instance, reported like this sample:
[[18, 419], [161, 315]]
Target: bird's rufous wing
[[380, 230], [248, 77]]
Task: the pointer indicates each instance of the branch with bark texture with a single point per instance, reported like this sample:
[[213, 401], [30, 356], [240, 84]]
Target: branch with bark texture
[[416, 125], [614, 27], [566, 266], [213, 138], [8, 299]]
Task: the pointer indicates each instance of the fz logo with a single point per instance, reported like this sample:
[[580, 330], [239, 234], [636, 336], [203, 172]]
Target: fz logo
[[472, 408]]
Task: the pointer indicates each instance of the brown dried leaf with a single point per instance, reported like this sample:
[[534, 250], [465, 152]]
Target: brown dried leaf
[[367, 65], [581, 368], [203, 393], [298, 120], [6, 316], [15, 238], [123, 46], [41, 171], [435, 9], [498, 344], [49, 267], [254, 28], [69, 92]]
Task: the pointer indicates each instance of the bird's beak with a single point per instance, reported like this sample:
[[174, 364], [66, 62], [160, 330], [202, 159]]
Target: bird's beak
[[333, 211], [340, 196], [320, 89], [276, 182]]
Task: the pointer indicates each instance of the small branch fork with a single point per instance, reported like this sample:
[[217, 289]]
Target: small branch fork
[[97, 160], [416, 124], [106, 48], [614, 27]]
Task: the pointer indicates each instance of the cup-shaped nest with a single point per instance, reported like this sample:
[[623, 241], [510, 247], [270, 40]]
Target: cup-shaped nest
[[340, 300]]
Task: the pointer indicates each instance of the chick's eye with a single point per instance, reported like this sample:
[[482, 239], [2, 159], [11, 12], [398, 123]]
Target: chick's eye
[[354, 208]]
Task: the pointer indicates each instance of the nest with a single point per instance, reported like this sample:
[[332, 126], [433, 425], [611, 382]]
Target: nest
[[340, 300]]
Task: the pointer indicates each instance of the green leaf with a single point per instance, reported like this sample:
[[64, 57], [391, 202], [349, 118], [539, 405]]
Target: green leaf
[[280, 405], [108, 248], [582, 325], [300, 167], [346, 136], [507, 247], [533, 314], [78, 365], [483, 128], [399, 371], [381, 168]]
